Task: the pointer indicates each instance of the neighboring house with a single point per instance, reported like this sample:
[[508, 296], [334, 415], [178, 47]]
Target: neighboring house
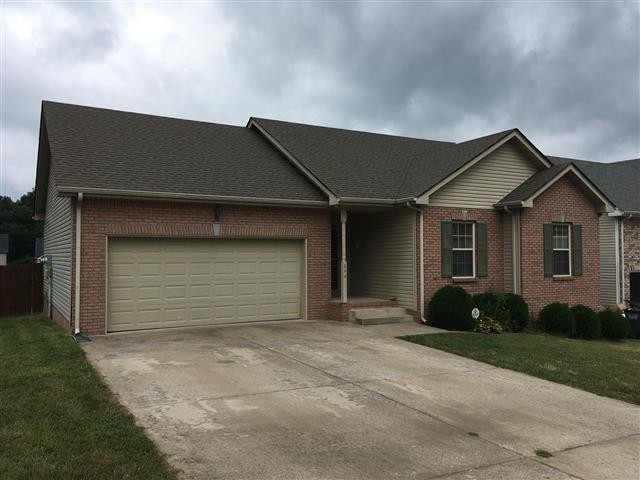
[[4, 248], [156, 222], [619, 230]]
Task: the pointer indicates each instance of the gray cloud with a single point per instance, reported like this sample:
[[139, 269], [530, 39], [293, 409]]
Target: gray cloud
[[566, 74]]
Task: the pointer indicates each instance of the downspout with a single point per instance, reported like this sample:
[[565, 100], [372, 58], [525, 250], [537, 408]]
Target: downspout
[[77, 285], [421, 212]]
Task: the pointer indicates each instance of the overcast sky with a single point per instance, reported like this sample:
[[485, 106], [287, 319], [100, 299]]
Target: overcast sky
[[566, 74]]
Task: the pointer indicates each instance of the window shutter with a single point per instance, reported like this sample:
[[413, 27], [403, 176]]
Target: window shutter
[[576, 249], [481, 249], [446, 242], [548, 249]]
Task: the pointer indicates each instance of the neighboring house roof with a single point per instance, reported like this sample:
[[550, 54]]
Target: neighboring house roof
[[4, 243], [95, 149], [620, 181], [524, 194]]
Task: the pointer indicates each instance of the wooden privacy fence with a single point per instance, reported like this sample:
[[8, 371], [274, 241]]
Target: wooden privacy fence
[[20, 289]]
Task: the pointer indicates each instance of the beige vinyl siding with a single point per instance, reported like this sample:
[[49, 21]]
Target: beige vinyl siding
[[608, 260], [507, 230], [57, 243], [382, 256], [511, 254], [488, 181]]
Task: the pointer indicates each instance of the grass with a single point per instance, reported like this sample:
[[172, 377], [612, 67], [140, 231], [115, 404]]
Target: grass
[[543, 453], [58, 420], [611, 369]]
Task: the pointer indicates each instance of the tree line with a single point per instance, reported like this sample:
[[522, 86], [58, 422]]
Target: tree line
[[16, 220]]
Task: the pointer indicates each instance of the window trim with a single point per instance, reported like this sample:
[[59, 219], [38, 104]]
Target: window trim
[[568, 249], [473, 251]]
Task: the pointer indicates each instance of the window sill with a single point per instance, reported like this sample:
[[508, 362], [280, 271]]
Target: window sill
[[563, 278], [465, 280]]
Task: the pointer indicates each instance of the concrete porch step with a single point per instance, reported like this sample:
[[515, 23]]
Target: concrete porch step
[[379, 315]]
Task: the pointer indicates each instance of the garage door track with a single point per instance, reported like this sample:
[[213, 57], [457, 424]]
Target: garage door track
[[331, 400]]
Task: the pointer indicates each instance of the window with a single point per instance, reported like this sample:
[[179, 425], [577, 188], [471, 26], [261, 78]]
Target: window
[[561, 249], [463, 249]]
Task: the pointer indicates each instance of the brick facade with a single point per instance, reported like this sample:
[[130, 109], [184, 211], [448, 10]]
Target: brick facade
[[103, 218], [433, 217], [562, 202], [631, 250]]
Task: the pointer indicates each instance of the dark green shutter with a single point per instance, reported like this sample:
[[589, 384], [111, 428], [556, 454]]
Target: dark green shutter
[[481, 249], [548, 250], [576, 249], [446, 242]]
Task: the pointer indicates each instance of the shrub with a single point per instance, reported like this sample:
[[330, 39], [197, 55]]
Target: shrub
[[587, 322], [450, 308], [510, 310], [519, 311], [485, 301], [488, 325], [557, 318], [614, 325]]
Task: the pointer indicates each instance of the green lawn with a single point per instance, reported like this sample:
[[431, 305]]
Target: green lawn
[[57, 419], [611, 369]]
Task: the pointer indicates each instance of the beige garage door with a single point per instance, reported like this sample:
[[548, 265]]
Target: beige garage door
[[158, 283]]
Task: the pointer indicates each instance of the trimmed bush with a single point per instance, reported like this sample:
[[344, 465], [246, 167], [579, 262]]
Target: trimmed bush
[[508, 309], [557, 318], [450, 308], [485, 301], [614, 325], [519, 311], [587, 322]]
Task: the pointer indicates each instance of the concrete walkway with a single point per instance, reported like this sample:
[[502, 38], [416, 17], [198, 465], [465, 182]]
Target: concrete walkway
[[332, 400]]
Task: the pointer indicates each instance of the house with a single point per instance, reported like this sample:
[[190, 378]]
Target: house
[[4, 248], [157, 222], [619, 230]]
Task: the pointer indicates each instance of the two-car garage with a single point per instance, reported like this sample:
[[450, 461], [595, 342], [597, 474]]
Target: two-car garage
[[159, 283]]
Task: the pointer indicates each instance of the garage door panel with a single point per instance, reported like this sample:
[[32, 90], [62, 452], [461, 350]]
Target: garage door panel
[[156, 283]]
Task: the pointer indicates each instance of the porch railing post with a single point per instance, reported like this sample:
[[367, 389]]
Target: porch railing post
[[343, 261]]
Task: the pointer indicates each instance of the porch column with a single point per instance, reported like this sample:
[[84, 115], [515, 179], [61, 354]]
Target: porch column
[[343, 261]]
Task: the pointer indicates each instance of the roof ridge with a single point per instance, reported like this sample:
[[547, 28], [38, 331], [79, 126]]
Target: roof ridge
[[128, 112], [354, 131]]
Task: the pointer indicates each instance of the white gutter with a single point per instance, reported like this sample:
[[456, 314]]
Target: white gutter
[[77, 285], [421, 211], [190, 197]]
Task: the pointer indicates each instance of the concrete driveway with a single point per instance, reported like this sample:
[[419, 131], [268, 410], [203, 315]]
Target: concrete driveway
[[333, 400]]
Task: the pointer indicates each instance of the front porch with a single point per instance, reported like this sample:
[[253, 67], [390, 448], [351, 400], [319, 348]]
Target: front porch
[[340, 311], [373, 260]]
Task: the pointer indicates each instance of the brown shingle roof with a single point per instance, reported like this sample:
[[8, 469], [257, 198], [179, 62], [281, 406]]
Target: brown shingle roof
[[114, 150]]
